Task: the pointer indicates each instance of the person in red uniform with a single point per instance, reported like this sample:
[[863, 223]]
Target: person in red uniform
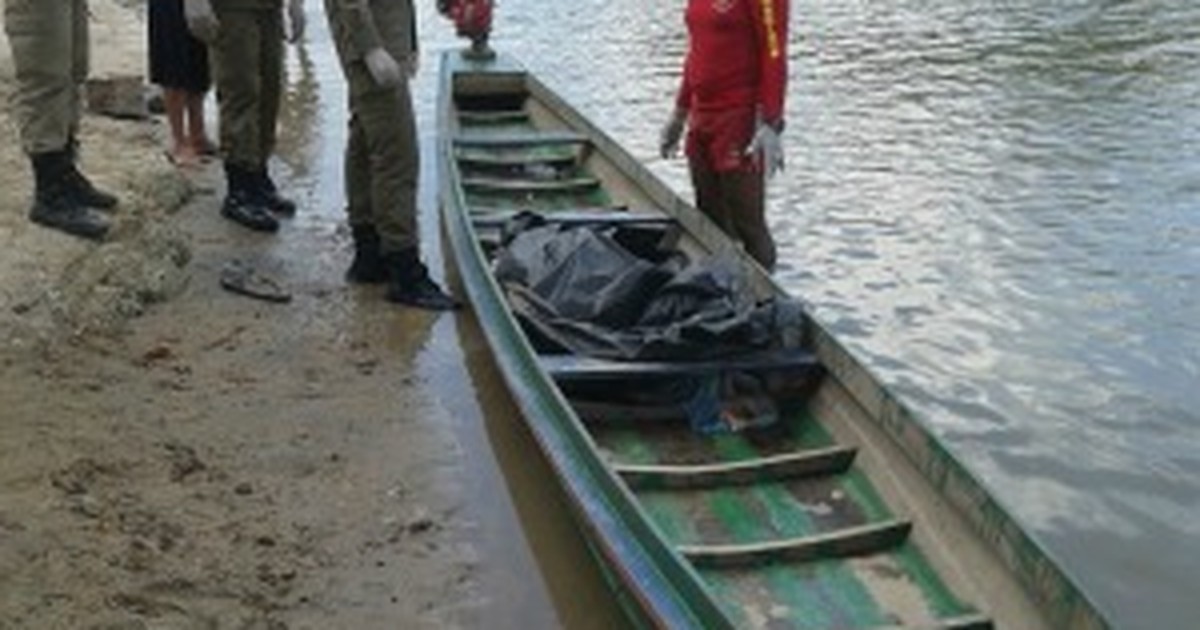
[[473, 20], [731, 102]]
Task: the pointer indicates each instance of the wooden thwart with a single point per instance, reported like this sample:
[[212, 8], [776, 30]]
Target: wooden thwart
[[817, 462], [493, 117], [853, 541], [631, 413], [512, 184], [523, 139], [517, 156], [582, 216], [570, 367]]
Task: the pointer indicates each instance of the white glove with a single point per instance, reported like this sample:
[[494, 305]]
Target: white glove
[[768, 145], [201, 20], [668, 137], [383, 68], [296, 20]]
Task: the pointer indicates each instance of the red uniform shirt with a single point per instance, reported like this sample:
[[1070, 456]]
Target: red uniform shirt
[[737, 56], [472, 18]]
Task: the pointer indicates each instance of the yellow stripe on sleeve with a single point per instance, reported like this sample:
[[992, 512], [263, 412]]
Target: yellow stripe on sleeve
[[768, 9]]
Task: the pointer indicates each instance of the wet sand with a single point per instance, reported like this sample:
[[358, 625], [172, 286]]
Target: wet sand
[[173, 455]]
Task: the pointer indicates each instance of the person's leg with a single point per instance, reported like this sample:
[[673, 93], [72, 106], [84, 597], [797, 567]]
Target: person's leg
[[197, 128], [389, 129], [235, 65], [235, 62], [744, 196], [175, 105], [707, 186], [270, 70], [80, 60], [367, 266], [195, 79], [41, 35], [738, 182], [44, 102], [80, 186], [388, 150]]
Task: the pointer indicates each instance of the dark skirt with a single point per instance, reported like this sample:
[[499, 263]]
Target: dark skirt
[[177, 60]]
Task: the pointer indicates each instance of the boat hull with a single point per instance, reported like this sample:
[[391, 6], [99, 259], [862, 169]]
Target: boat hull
[[846, 512]]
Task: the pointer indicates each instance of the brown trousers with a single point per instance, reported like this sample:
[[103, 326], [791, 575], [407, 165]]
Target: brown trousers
[[735, 201]]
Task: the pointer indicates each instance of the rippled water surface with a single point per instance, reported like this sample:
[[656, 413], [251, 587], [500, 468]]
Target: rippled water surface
[[995, 205]]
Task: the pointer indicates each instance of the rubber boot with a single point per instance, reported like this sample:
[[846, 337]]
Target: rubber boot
[[409, 283], [243, 204], [85, 193], [269, 195], [367, 266], [54, 205]]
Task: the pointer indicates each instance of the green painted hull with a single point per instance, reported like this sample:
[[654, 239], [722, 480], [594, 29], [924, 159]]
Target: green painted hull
[[846, 513]]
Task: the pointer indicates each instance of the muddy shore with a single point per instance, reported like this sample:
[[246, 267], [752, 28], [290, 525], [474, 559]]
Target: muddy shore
[[176, 456]]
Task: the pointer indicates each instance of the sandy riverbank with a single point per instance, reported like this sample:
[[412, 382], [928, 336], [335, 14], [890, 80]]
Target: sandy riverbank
[[174, 456], [44, 283]]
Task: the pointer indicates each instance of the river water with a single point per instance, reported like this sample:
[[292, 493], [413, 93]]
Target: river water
[[994, 205]]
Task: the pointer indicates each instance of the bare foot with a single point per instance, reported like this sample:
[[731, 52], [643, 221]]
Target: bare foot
[[183, 156]]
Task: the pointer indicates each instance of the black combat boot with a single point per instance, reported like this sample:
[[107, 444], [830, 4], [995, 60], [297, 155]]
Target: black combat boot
[[85, 193], [243, 204], [367, 266], [269, 195], [54, 204], [409, 283]]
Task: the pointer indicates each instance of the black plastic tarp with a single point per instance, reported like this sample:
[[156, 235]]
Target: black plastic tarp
[[611, 292]]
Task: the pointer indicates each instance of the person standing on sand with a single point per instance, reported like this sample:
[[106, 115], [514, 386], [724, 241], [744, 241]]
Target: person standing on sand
[[49, 41], [377, 45], [245, 38], [731, 101], [179, 65]]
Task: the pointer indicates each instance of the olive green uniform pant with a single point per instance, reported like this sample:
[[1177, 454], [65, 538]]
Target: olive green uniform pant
[[49, 40], [382, 159], [247, 63]]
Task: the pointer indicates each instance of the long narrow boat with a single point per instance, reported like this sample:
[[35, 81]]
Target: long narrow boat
[[845, 513]]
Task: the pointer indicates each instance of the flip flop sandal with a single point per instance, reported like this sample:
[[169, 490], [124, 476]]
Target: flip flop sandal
[[238, 277]]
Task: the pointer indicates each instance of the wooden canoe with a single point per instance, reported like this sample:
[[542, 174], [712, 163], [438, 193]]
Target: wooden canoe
[[847, 513]]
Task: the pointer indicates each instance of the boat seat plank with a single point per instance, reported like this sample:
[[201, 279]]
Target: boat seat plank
[[483, 157], [582, 216], [513, 184], [544, 138], [811, 463], [844, 543], [619, 413], [513, 156], [570, 367], [493, 117]]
